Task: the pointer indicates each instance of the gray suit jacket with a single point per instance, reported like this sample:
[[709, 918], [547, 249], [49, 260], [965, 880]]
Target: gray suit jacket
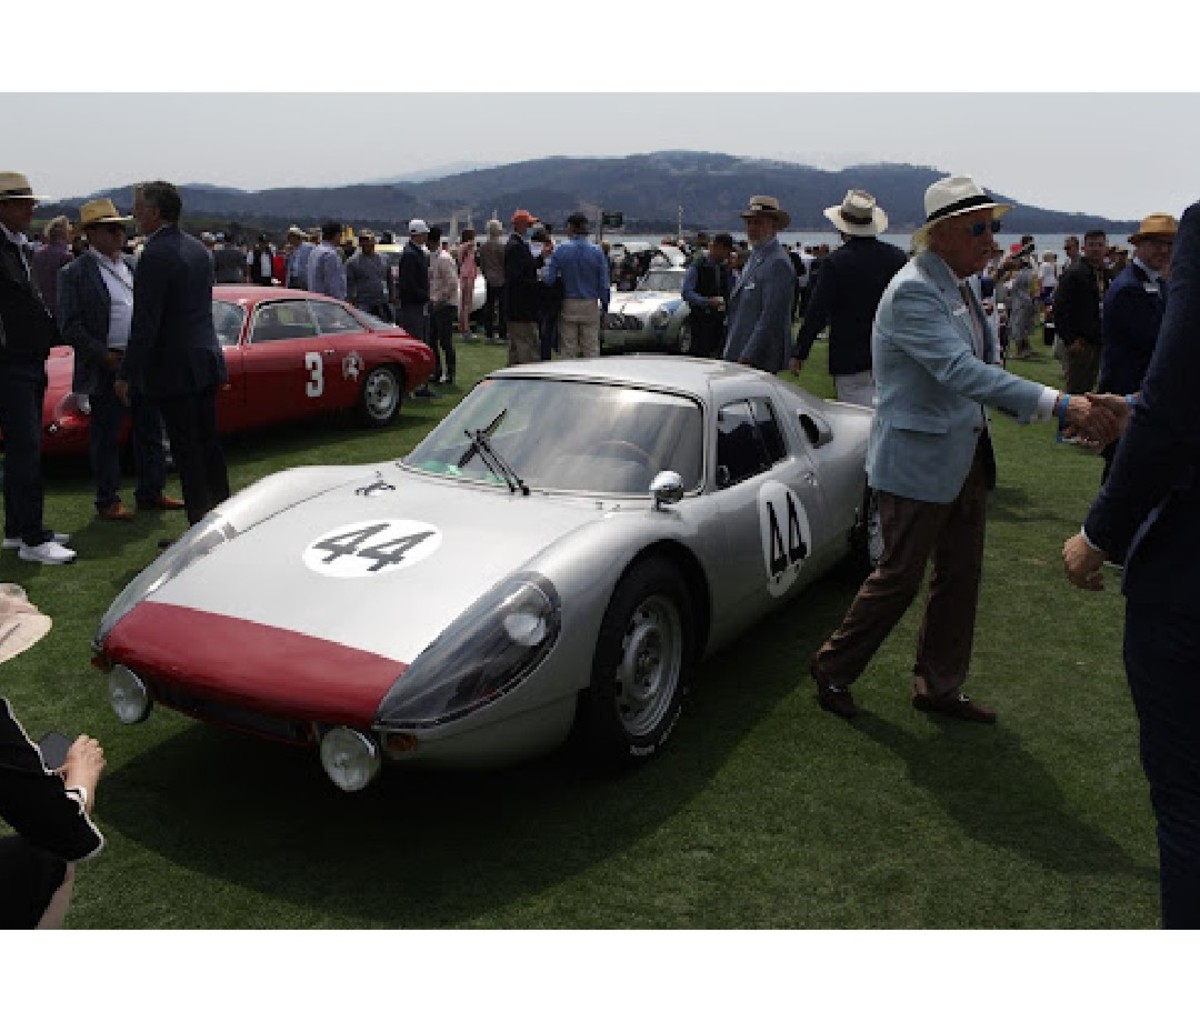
[[931, 385], [83, 310], [759, 326]]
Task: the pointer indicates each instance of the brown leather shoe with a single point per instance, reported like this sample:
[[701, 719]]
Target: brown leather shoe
[[117, 512], [958, 706], [833, 698], [161, 503]]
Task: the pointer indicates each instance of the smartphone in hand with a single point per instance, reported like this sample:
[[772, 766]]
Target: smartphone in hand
[[54, 746]]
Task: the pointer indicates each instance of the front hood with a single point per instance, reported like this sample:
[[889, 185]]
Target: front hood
[[641, 303], [380, 570]]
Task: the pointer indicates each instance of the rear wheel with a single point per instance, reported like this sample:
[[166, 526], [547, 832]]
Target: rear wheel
[[641, 667], [382, 393], [866, 539]]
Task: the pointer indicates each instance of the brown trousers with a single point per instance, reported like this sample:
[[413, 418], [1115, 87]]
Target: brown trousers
[[914, 532]]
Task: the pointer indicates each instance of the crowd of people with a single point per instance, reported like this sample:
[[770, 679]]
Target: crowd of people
[[919, 336]]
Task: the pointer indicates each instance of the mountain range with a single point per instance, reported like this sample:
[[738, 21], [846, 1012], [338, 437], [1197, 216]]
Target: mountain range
[[649, 189]]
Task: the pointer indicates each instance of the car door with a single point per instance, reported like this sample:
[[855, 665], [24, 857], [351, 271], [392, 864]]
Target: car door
[[768, 500], [344, 357], [282, 363]]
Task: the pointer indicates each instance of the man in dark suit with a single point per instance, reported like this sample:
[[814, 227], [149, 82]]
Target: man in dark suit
[[1133, 312], [27, 333], [1077, 304], [1147, 515], [521, 291], [95, 312], [846, 295], [173, 354]]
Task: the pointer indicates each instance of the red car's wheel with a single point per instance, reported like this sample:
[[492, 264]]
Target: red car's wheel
[[382, 392]]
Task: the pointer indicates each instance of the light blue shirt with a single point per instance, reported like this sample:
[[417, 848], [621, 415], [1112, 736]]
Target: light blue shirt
[[326, 275], [583, 268]]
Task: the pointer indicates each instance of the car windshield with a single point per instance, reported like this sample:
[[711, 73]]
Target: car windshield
[[568, 435], [662, 280], [227, 319]]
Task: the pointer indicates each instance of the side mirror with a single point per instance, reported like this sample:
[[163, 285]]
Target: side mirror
[[666, 488]]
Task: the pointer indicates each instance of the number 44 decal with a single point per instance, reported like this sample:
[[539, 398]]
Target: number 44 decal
[[786, 536], [367, 549]]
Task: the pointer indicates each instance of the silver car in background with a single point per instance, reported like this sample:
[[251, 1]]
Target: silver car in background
[[653, 317]]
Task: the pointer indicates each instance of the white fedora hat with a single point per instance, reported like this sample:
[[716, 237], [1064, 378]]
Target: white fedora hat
[[954, 196], [858, 215]]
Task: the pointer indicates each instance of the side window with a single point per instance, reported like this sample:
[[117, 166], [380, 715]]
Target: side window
[[227, 321], [281, 321], [334, 319], [749, 441]]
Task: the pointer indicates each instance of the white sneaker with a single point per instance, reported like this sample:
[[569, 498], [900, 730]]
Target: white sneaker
[[49, 552], [14, 542]]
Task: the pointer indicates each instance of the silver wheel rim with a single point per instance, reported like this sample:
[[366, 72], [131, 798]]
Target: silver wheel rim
[[381, 393], [650, 664]]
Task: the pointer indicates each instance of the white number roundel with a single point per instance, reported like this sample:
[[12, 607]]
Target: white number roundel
[[372, 548], [786, 536]]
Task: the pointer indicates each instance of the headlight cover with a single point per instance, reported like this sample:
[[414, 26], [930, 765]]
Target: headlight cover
[[203, 537], [659, 318], [489, 650]]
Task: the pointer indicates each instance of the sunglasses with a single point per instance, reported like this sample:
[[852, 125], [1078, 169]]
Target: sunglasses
[[980, 228]]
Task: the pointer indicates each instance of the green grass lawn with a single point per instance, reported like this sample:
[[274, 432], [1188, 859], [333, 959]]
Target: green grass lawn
[[762, 812]]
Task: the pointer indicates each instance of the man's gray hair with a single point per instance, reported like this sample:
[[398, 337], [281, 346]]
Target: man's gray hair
[[164, 197], [58, 229]]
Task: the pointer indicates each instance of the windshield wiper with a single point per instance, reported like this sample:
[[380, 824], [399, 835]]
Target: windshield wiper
[[496, 464]]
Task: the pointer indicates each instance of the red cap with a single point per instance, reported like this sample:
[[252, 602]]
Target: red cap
[[525, 217]]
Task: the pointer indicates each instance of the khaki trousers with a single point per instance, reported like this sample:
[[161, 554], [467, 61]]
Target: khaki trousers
[[579, 328], [915, 532]]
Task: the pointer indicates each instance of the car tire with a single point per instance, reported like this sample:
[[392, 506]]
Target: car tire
[[683, 343], [641, 667], [381, 396]]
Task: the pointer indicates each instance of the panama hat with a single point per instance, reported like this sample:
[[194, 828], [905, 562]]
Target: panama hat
[[21, 623], [14, 185], [100, 211], [766, 205], [858, 215], [954, 196], [1156, 225]]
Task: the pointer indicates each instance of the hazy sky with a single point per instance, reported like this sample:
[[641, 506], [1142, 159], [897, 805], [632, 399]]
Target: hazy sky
[[494, 98]]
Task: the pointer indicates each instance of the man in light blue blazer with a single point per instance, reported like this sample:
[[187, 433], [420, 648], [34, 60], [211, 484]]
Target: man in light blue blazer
[[930, 455], [759, 325]]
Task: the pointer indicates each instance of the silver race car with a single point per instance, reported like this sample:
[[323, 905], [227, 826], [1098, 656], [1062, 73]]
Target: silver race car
[[653, 317], [552, 560]]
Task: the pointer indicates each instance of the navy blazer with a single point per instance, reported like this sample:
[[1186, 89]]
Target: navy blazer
[[84, 304], [173, 347], [845, 296], [1148, 513], [1133, 312]]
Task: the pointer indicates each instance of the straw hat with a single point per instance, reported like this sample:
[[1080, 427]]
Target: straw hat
[[858, 215], [1156, 225], [21, 623], [100, 211], [14, 185], [954, 196], [767, 205]]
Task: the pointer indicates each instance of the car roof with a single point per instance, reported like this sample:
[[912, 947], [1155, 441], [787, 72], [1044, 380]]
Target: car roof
[[252, 293], [698, 376]]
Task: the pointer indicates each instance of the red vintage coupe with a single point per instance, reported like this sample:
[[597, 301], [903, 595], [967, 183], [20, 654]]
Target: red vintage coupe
[[290, 354]]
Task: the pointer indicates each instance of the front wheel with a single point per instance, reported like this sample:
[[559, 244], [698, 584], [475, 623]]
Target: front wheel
[[641, 666], [379, 401], [683, 343]]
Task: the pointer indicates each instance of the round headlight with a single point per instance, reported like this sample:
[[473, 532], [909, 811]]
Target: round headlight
[[128, 696], [350, 758], [659, 318]]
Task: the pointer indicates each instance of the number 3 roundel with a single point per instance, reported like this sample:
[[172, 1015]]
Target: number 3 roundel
[[368, 549], [786, 536]]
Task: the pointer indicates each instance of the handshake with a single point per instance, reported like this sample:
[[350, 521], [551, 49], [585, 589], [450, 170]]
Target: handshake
[[1093, 419]]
